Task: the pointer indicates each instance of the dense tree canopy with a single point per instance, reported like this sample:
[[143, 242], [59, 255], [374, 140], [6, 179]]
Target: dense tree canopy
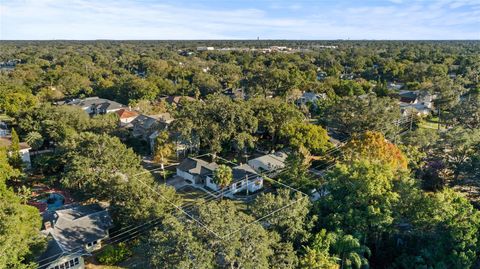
[[194, 246], [369, 210], [312, 137], [94, 169], [19, 223], [374, 147], [358, 114]]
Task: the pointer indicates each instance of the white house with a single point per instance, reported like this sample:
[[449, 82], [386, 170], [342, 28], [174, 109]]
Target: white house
[[414, 109], [24, 151], [244, 179], [310, 98], [269, 162], [416, 102], [394, 86], [73, 233], [417, 97], [95, 105], [4, 130], [205, 48], [200, 172], [126, 116], [147, 127], [195, 170]]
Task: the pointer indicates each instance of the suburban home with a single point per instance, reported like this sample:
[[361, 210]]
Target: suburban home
[[9, 65], [126, 116], [348, 76], [416, 102], [6, 141], [236, 94], [176, 100], [184, 146], [147, 127], [73, 233], [394, 86], [244, 179], [200, 173], [417, 97], [321, 75], [414, 109], [310, 98], [95, 105], [205, 48], [269, 162], [4, 130], [195, 170]]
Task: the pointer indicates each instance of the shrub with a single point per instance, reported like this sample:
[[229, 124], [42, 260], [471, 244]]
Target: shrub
[[114, 254]]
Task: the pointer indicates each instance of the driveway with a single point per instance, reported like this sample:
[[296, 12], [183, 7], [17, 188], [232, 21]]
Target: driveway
[[177, 182]]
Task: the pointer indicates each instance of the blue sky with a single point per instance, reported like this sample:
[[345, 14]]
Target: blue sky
[[247, 19]]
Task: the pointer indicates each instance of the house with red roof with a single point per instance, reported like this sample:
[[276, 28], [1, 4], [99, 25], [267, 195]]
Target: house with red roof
[[126, 116]]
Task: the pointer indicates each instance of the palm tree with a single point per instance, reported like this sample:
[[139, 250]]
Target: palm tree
[[223, 176], [163, 149], [34, 139], [350, 251]]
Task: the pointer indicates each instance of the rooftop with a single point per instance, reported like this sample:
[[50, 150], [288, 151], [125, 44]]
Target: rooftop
[[72, 228], [125, 113], [100, 103], [6, 141], [274, 159], [197, 166], [78, 225], [243, 171]]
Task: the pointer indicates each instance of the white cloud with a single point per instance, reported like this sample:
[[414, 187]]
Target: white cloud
[[110, 19]]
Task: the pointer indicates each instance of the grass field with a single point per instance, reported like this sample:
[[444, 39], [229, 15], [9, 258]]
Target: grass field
[[190, 194], [431, 123]]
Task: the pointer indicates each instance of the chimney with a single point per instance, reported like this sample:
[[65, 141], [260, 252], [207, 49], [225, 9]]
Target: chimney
[[48, 225]]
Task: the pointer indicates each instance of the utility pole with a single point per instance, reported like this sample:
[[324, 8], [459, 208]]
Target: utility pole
[[411, 122], [246, 178]]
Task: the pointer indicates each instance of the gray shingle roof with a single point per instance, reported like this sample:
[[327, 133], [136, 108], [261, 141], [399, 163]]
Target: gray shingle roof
[[276, 159], [144, 121], [74, 227], [99, 103], [52, 253], [243, 171], [408, 96], [196, 166]]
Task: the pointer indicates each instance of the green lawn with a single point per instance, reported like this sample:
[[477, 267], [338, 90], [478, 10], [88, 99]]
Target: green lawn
[[190, 194], [431, 123]]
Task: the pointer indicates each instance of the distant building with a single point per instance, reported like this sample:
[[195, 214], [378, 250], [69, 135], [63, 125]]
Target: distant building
[[416, 102], [310, 98], [348, 76], [321, 75], [394, 86], [95, 105], [195, 170], [269, 162], [279, 48], [205, 48], [245, 178], [4, 130], [6, 141], [126, 116], [9, 65], [176, 100], [147, 127], [200, 173], [73, 233], [236, 94]]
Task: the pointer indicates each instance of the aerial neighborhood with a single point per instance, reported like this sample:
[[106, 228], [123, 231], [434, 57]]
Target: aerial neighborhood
[[239, 154]]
